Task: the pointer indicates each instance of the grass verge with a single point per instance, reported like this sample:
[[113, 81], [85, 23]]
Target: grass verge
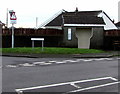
[[49, 50]]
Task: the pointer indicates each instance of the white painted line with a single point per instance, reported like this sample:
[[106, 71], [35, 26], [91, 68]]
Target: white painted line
[[20, 92], [93, 87], [114, 79], [89, 80], [45, 63], [80, 60], [12, 66], [59, 84], [52, 61], [86, 60], [41, 63], [72, 61], [62, 62], [38, 62], [76, 86], [27, 65], [99, 59], [103, 59], [68, 60], [109, 58]]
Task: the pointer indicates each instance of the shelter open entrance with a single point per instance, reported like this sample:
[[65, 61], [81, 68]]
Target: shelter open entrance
[[84, 35]]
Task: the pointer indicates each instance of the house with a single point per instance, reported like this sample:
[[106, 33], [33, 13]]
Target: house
[[118, 25], [1, 24], [82, 29]]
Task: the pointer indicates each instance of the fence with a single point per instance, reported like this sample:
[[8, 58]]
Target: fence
[[112, 32], [32, 32], [22, 36]]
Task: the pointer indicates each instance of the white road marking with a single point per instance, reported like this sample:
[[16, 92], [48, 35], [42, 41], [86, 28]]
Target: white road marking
[[103, 59], [76, 86], [86, 60], [108, 58], [72, 61], [38, 62], [98, 59], [114, 79], [59, 62], [12, 66], [80, 60], [52, 61], [93, 87], [62, 62], [59, 84], [27, 65], [20, 92], [42, 63], [45, 63]]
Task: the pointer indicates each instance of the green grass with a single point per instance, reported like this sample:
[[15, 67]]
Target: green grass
[[49, 50]]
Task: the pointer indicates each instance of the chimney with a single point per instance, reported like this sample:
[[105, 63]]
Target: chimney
[[113, 21], [76, 9]]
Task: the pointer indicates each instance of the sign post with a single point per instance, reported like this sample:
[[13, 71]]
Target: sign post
[[13, 19], [38, 39], [12, 35]]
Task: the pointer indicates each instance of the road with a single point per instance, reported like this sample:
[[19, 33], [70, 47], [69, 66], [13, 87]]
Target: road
[[67, 75]]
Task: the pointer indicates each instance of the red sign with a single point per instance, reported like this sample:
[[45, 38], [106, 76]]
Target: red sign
[[13, 16]]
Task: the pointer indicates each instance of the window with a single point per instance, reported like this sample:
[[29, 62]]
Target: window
[[69, 34]]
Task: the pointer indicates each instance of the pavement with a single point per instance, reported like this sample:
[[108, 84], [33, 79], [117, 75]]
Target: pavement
[[91, 55]]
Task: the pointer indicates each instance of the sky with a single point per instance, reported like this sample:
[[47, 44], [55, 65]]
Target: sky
[[28, 10]]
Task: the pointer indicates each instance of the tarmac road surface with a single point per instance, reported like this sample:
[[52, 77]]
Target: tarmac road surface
[[63, 75]]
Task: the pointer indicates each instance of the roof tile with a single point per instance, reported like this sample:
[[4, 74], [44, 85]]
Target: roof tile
[[83, 17]]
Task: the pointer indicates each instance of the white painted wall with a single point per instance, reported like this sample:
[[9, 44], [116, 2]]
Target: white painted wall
[[84, 36], [108, 23], [50, 19]]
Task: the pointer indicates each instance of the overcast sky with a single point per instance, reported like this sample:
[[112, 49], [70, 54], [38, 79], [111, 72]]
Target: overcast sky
[[28, 10]]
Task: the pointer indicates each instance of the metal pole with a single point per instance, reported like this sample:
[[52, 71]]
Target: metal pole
[[12, 35], [42, 44], [7, 18], [32, 43], [36, 21]]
